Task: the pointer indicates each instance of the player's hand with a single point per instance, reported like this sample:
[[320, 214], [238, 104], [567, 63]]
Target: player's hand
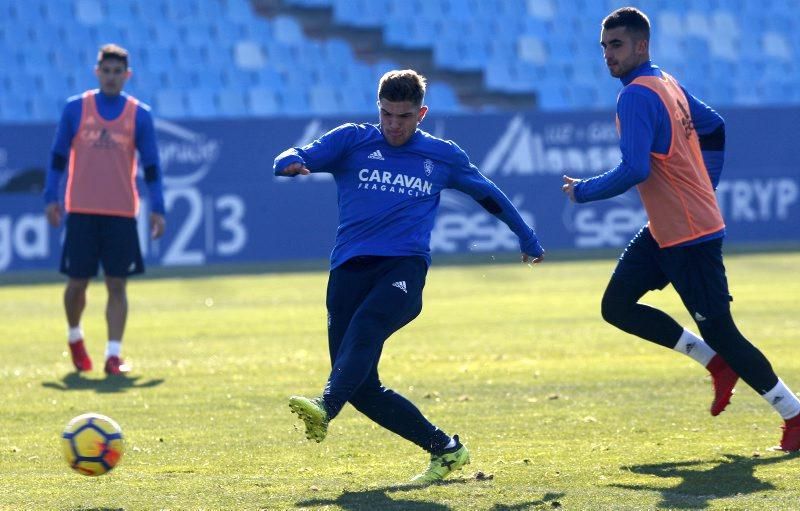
[[53, 213], [529, 259], [157, 225], [569, 187], [294, 169]]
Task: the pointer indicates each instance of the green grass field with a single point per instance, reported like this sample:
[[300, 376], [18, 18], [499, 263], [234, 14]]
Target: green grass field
[[558, 409]]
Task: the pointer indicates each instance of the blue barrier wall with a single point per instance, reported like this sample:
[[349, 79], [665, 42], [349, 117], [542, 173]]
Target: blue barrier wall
[[224, 205]]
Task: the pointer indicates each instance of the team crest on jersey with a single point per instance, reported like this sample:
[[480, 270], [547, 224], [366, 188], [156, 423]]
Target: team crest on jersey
[[428, 167]]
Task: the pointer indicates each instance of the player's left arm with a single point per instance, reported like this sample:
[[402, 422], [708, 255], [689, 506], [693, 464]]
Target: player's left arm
[[148, 151], [466, 178], [640, 112], [710, 127]]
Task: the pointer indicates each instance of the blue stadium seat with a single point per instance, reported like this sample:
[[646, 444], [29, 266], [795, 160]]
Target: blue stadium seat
[[180, 10], [441, 98], [89, 12], [360, 13], [13, 109], [196, 33], [232, 103], [189, 58], [323, 100], [217, 55], [43, 108], [170, 104], [287, 30], [207, 78], [238, 10], [248, 55], [355, 101], [201, 103], [26, 12], [57, 12], [179, 80], [262, 101], [150, 10], [165, 34], [158, 59], [118, 10], [293, 102]]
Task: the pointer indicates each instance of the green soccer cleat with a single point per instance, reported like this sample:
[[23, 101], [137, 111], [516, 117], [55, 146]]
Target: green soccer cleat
[[443, 464], [313, 413]]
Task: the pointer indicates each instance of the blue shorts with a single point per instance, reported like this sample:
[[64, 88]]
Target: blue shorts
[[695, 271], [95, 239]]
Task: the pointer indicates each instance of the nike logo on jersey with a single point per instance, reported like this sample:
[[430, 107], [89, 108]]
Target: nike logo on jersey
[[401, 285], [375, 155]]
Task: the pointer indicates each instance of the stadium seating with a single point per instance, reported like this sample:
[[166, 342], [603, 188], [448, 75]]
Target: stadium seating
[[218, 58]]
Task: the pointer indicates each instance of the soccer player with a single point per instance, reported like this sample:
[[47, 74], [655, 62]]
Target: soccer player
[[97, 139], [389, 177], [672, 149]]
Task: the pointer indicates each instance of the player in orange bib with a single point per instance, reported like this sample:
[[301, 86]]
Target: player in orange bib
[[672, 148], [97, 140]]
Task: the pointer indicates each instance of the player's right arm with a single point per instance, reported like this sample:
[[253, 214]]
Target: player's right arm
[[320, 155], [59, 158], [639, 111]]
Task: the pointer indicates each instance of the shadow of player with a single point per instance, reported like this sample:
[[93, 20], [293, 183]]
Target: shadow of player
[[108, 385], [735, 475]]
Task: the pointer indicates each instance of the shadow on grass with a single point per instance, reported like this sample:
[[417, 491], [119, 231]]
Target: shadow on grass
[[109, 385], [733, 476], [378, 498]]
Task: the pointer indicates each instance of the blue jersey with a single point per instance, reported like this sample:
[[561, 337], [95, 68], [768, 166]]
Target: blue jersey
[[109, 107], [389, 196]]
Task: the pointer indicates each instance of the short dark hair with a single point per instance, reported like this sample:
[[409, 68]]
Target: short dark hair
[[402, 85], [632, 19], [112, 52]]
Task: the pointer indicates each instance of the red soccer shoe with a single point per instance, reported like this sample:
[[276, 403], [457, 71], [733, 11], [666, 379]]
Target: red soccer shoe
[[116, 366], [724, 379], [80, 358], [790, 441]]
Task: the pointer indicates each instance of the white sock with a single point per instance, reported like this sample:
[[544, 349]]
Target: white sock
[[450, 444], [113, 348], [74, 334], [783, 400], [693, 346]]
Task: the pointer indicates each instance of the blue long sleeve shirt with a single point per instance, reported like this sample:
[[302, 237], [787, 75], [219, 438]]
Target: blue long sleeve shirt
[[389, 196], [646, 128], [109, 107]]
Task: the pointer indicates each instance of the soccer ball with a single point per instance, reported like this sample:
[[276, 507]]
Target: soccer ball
[[92, 444]]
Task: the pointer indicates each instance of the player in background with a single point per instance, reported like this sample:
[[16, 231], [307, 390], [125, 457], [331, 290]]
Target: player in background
[[97, 139], [672, 149], [389, 177]]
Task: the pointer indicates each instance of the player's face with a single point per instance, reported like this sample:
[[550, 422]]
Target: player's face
[[621, 51], [399, 120], [112, 75]]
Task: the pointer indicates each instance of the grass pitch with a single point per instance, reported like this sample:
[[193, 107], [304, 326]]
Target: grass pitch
[[558, 409]]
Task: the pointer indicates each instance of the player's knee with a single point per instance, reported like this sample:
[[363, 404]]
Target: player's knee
[[614, 310]]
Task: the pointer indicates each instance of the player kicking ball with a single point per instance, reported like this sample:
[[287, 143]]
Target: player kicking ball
[[389, 177]]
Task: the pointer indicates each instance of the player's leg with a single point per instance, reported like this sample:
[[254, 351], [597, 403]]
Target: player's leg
[[348, 286], [386, 407], [399, 415], [121, 257], [394, 299], [703, 287], [641, 268], [80, 262]]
